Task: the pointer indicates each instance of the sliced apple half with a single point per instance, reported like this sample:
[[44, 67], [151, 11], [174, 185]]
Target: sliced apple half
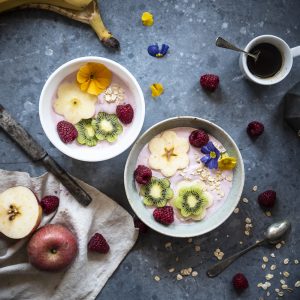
[[20, 212]]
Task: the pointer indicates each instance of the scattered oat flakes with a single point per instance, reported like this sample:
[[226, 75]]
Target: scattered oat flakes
[[245, 200], [265, 259], [269, 276], [190, 240], [263, 266], [277, 290], [296, 261], [241, 242], [254, 189], [282, 281], [286, 261], [156, 278], [236, 210], [179, 277], [280, 294], [273, 267], [278, 246], [272, 255], [218, 254], [286, 274], [297, 284], [248, 220], [284, 287], [268, 293], [168, 245], [194, 273], [171, 270], [197, 248], [268, 214]]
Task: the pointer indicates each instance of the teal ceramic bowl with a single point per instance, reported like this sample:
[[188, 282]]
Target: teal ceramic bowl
[[196, 228]]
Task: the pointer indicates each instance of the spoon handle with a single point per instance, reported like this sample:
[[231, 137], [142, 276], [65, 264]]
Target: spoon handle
[[221, 266], [220, 42]]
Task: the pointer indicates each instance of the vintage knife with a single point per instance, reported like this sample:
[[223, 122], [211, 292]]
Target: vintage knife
[[37, 153]]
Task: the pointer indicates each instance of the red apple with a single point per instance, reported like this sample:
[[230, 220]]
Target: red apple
[[52, 248]]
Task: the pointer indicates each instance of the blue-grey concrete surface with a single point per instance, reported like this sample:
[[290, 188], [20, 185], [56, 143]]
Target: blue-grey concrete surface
[[34, 43]]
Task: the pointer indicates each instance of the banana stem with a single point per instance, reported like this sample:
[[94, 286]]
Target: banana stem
[[90, 15]]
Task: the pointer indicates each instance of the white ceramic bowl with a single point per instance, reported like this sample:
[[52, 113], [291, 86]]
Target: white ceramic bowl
[[85, 153], [194, 228]]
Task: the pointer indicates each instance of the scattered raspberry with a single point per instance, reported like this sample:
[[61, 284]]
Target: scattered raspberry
[[240, 282], [267, 198], [164, 215], [209, 82], [66, 131], [125, 113], [98, 243], [198, 138], [255, 128], [142, 174], [143, 228], [49, 204]]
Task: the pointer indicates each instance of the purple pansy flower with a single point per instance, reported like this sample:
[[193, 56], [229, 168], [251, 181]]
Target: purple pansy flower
[[154, 50], [212, 154]]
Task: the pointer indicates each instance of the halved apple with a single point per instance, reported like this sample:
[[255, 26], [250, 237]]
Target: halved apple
[[20, 212]]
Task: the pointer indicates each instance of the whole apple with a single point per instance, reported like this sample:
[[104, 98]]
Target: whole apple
[[52, 248]]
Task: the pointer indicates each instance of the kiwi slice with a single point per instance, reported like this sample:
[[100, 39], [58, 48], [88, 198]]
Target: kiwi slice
[[107, 127], [157, 192], [192, 201], [86, 133]]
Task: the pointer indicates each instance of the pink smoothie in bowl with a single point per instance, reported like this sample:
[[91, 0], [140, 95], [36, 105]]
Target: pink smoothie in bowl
[[216, 182], [101, 106], [119, 131]]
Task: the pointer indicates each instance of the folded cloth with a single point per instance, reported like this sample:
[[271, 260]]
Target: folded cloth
[[90, 271], [292, 107]]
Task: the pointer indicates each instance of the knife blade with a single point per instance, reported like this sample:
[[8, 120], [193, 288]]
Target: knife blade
[[38, 154]]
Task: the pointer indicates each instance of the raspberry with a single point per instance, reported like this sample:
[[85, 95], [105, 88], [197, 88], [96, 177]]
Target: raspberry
[[98, 243], [164, 215], [209, 82], [255, 128], [125, 113], [49, 204], [142, 174], [240, 282], [143, 228], [198, 138], [267, 198], [66, 131]]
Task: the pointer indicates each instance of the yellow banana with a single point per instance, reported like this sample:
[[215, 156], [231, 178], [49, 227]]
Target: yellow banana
[[84, 11]]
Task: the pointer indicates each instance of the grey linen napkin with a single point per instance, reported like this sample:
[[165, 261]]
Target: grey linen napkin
[[85, 278]]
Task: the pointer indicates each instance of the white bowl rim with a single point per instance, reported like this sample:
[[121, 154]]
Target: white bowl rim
[[104, 60], [226, 216]]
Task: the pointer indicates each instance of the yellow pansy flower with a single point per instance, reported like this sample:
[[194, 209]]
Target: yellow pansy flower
[[227, 163], [147, 19], [94, 78], [157, 89]]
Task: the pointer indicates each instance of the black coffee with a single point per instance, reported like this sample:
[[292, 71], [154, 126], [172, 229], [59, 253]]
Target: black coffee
[[268, 63]]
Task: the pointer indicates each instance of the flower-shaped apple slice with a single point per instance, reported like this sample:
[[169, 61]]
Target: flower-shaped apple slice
[[74, 104], [168, 153]]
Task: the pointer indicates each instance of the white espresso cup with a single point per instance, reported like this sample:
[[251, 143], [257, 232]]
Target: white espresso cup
[[287, 54]]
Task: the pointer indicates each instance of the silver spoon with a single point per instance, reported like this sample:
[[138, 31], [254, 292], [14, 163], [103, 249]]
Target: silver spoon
[[220, 42], [273, 235]]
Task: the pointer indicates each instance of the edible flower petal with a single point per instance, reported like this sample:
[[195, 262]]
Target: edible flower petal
[[147, 19], [227, 163], [94, 78], [157, 89], [154, 50], [211, 157]]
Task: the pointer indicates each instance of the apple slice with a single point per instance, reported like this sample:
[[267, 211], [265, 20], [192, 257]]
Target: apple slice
[[20, 212]]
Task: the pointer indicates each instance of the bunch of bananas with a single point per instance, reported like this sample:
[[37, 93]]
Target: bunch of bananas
[[85, 11]]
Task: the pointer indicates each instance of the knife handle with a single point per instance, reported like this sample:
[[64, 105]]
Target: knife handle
[[20, 136], [72, 186]]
